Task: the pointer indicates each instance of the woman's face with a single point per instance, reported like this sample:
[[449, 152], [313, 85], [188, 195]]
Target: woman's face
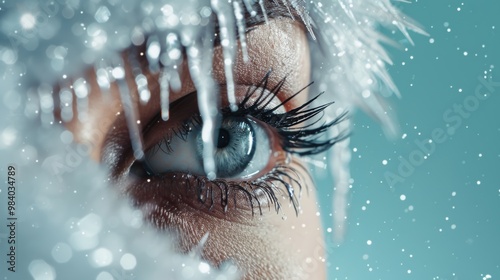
[[250, 216]]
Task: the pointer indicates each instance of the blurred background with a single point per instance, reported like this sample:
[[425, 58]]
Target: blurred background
[[423, 209]]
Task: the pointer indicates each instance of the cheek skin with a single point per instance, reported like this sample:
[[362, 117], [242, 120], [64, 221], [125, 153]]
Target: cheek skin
[[268, 246]]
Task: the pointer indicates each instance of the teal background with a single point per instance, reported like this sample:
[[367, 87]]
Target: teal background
[[448, 227]]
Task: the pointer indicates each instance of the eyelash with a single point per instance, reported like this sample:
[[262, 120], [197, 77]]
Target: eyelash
[[301, 141]]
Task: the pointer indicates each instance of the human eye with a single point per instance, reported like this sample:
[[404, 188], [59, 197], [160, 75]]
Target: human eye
[[257, 153]]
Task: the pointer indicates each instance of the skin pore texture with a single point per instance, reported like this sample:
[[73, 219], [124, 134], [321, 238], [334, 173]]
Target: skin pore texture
[[267, 246]]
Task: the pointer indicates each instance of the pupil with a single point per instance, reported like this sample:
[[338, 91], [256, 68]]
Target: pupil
[[224, 138]]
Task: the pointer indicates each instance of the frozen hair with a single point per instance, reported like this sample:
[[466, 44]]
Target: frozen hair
[[44, 43]]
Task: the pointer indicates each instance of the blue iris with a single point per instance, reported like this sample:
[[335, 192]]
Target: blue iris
[[235, 146]]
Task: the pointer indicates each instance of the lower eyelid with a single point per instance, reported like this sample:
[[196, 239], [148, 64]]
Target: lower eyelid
[[234, 201]]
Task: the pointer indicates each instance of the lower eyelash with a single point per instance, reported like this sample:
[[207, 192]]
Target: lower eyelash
[[282, 180]]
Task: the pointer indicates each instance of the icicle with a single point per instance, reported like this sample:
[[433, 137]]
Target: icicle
[[263, 8], [207, 100], [304, 15], [240, 21], [249, 7], [130, 110], [228, 40], [340, 156], [197, 250], [143, 89], [171, 58], [164, 94], [103, 79], [153, 54], [81, 89], [66, 104], [140, 79], [46, 104]]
